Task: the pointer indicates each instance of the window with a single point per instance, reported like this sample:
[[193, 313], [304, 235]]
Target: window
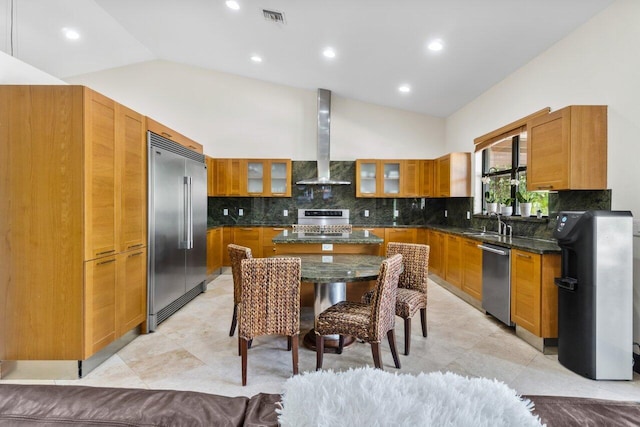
[[504, 175]]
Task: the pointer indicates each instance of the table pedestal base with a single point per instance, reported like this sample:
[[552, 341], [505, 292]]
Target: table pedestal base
[[330, 344]]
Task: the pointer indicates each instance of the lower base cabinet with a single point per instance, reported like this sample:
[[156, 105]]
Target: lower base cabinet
[[115, 297], [436, 253], [472, 268], [534, 297], [214, 249], [453, 260]]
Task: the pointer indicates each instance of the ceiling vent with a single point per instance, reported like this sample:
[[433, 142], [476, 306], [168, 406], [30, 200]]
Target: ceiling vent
[[273, 16]]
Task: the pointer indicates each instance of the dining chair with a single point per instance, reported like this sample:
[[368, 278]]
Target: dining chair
[[367, 322], [412, 286], [236, 254], [270, 304]]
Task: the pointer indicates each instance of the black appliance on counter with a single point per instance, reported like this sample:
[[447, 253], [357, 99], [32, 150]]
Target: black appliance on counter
[[595, 294]]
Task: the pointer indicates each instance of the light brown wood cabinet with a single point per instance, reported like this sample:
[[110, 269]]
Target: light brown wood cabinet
[[267, 177], [453, 175], [214, 249], [131, 296], [69, 222], [534, 297], [162, 130], [250, 237], [437, 253], [268, 233], [472, 268], [453, 260], [227, 238], [568, 149], [379, 178], [227, 177], [400, 235], [427, 178]]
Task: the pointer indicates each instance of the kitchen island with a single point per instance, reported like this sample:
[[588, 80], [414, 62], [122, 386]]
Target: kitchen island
[[357, 242]]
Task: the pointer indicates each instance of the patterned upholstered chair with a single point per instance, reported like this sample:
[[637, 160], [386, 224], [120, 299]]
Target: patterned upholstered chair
[[270, 304], [412, 286], [367, 322]]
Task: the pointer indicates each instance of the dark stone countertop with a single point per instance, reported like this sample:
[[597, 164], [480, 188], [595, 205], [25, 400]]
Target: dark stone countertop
[[320, 268], [538, 246], [356, 237]]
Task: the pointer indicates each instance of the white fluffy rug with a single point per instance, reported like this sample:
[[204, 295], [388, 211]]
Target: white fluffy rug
[[371, 397]]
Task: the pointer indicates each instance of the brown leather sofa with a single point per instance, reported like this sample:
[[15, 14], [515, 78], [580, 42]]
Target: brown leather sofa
[[50, 405]]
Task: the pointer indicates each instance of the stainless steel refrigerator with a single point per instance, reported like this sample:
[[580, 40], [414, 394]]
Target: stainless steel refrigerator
[[177, 227]]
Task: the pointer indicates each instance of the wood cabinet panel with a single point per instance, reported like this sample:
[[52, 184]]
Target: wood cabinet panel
[[436, 253], [100, 304], [228, 177], [100, 175], [268, 233], [162, 130], [525, 290], [227, 238], [131, 142], [211, 177], [411, 186], [427, 178], [378, 232], [41, 158], [267, 177], [453, 175], [453, 260], [132, 290], [214, 249], [568, 149], [400, 235], [250, 237], [472, 268]]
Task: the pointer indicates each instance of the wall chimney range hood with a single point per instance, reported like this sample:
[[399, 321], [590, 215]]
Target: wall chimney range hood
[[324, 128]]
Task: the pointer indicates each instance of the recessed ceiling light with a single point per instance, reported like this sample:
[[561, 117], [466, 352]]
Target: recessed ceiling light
[[232, 4], [256, 58], [404, 89], [436, 45], [70, 33], [329, 52]]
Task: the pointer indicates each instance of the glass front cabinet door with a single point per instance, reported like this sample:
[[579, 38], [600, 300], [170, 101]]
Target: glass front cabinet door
[[367, 178]]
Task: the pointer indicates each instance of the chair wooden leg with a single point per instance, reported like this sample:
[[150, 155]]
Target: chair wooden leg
[[244, 350], [294, 352], [375, 350], [340, 344], [319, 351], [288, 343], [423, 318], [391, 335], [407, 335], [234, 320]]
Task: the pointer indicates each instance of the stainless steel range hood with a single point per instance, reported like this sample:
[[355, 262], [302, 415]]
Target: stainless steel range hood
[[324, 131]]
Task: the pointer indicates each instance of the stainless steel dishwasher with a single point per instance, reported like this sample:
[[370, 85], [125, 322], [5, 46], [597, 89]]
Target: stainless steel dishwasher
[[496, 281]]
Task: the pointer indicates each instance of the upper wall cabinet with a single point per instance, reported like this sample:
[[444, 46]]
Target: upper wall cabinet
[[379, 178], [249, 177], [453, 175], [568, 149], [268, 177], [162, 130]]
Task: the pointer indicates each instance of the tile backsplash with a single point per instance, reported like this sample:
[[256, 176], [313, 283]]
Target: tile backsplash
[[411, 211]]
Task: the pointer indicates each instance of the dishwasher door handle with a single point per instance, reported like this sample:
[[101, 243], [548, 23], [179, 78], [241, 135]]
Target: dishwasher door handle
[[492, 250]]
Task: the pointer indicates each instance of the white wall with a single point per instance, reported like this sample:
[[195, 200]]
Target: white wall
[[15, 72], [596, 64], [234, 116]]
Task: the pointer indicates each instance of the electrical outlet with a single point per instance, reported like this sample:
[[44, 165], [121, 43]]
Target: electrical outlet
[[225, 212], [396, 213], [446, 213], [366, 213], [285, 213], [468, 215], [240, 212]]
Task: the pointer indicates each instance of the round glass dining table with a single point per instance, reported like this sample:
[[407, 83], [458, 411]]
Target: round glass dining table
[[330, 274]]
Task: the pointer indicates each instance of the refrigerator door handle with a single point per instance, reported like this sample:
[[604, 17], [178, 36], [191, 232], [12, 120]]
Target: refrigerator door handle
[[184, 238], [190, 214]]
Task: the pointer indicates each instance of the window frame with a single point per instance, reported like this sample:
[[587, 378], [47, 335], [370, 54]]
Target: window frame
[[516, 169]]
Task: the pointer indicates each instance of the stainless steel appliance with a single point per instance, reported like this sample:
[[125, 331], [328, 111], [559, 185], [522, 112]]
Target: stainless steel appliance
[[177, 227], [496, 281], [595, 294], [323, 216]]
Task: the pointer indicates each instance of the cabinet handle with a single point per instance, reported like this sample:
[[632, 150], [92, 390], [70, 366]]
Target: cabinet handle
[[247, 229], [168, 135], [135, 246], [524, 256], [136, 254], [106, 252], [545, 187], [192, 147], [278, 229], [106, 262]]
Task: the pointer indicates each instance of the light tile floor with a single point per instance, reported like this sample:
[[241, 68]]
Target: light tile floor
[[192, 350]]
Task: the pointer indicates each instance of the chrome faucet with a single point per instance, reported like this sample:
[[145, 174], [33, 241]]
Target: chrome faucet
[[502, 226]]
